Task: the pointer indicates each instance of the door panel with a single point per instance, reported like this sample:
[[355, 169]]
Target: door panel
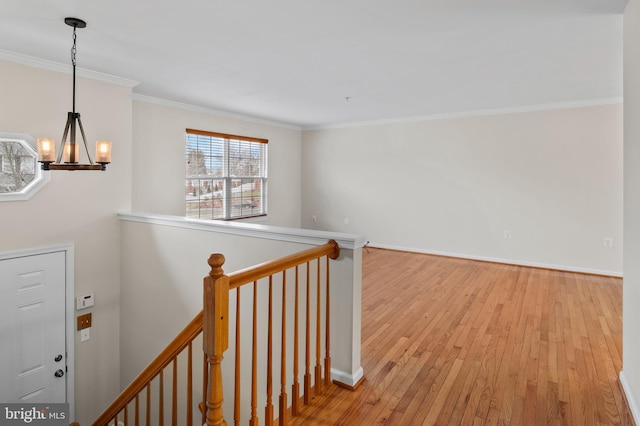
[[32, 330]]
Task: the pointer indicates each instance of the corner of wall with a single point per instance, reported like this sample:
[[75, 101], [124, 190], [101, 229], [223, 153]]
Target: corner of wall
[[631, 400]]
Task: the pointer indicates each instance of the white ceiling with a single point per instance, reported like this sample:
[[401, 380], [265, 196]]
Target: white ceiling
[[297, 61]]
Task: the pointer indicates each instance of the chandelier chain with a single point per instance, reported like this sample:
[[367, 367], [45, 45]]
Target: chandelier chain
[[73, 49]]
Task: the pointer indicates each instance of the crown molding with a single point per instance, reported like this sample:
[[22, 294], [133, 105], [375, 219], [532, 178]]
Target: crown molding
[[46, 64], [189, 107], [477, 113]]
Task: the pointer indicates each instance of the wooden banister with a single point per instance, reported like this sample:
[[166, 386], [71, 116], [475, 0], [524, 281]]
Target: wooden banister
[[213, 323], [190, 332], [216, 333]]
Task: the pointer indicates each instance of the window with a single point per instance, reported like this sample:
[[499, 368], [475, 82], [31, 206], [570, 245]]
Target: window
[[226, 176], [20, 174]]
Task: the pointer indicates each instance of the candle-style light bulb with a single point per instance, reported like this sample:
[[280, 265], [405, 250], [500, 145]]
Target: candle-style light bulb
[[67, 153], [46, 150], [103, 152]]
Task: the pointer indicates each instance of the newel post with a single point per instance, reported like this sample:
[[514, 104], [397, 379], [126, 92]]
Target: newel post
[[215, 334]]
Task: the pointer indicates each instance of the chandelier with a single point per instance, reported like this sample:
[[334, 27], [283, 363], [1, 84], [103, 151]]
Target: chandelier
[[69, 151]]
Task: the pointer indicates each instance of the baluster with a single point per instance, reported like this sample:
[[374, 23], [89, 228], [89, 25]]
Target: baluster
[[268, 411], [236, 401], [190, 384], [149, 404], [115, 420], [295, 388], [205, 386], [327, 331], [215, 398], [137, 420], [318, 371], [283, 355], [161, 399], [126, 415], [174, 396], [254, 359], [307, 355]]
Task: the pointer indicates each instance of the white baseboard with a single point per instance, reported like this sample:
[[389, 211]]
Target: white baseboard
[[631, 400], [346, 378], [500, 260]]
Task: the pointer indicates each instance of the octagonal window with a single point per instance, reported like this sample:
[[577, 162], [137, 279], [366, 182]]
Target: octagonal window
[[20, 173]]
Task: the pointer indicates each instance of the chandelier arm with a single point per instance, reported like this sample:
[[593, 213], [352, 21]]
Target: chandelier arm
[[64, 137], [84, 138]]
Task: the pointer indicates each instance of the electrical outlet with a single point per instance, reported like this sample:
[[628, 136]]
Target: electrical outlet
[[507, 235], [314, 218], [608, 242]]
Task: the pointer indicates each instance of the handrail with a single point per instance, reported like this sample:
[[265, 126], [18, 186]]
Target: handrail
[[177, 345], [262, 270]]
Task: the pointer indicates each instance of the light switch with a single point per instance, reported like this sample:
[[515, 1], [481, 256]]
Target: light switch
[[85, 334]]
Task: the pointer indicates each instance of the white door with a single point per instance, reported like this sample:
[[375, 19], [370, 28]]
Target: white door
[[32, 329]]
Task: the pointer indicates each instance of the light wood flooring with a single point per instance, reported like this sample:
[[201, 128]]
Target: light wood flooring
[[456, 342]]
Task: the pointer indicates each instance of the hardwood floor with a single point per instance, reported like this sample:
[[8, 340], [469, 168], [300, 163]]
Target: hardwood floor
[[455, 342]]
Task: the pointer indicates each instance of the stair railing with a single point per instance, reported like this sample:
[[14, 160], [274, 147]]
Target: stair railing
[[217, 286], [147, 389], [126, 406]]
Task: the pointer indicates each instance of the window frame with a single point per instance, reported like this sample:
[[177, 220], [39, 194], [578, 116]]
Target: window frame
[[40, 178], [228, 200]]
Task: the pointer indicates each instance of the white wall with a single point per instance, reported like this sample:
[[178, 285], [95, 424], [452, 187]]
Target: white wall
[[553, 178], [631, 286], [159, 159], [75, 207]]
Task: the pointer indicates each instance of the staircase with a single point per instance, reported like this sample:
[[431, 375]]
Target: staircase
[[278, 308]]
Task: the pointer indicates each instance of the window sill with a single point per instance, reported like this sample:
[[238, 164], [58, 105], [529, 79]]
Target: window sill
[[253, 219]]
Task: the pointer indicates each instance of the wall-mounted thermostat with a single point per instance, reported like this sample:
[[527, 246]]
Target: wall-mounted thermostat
[[83, 302]]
